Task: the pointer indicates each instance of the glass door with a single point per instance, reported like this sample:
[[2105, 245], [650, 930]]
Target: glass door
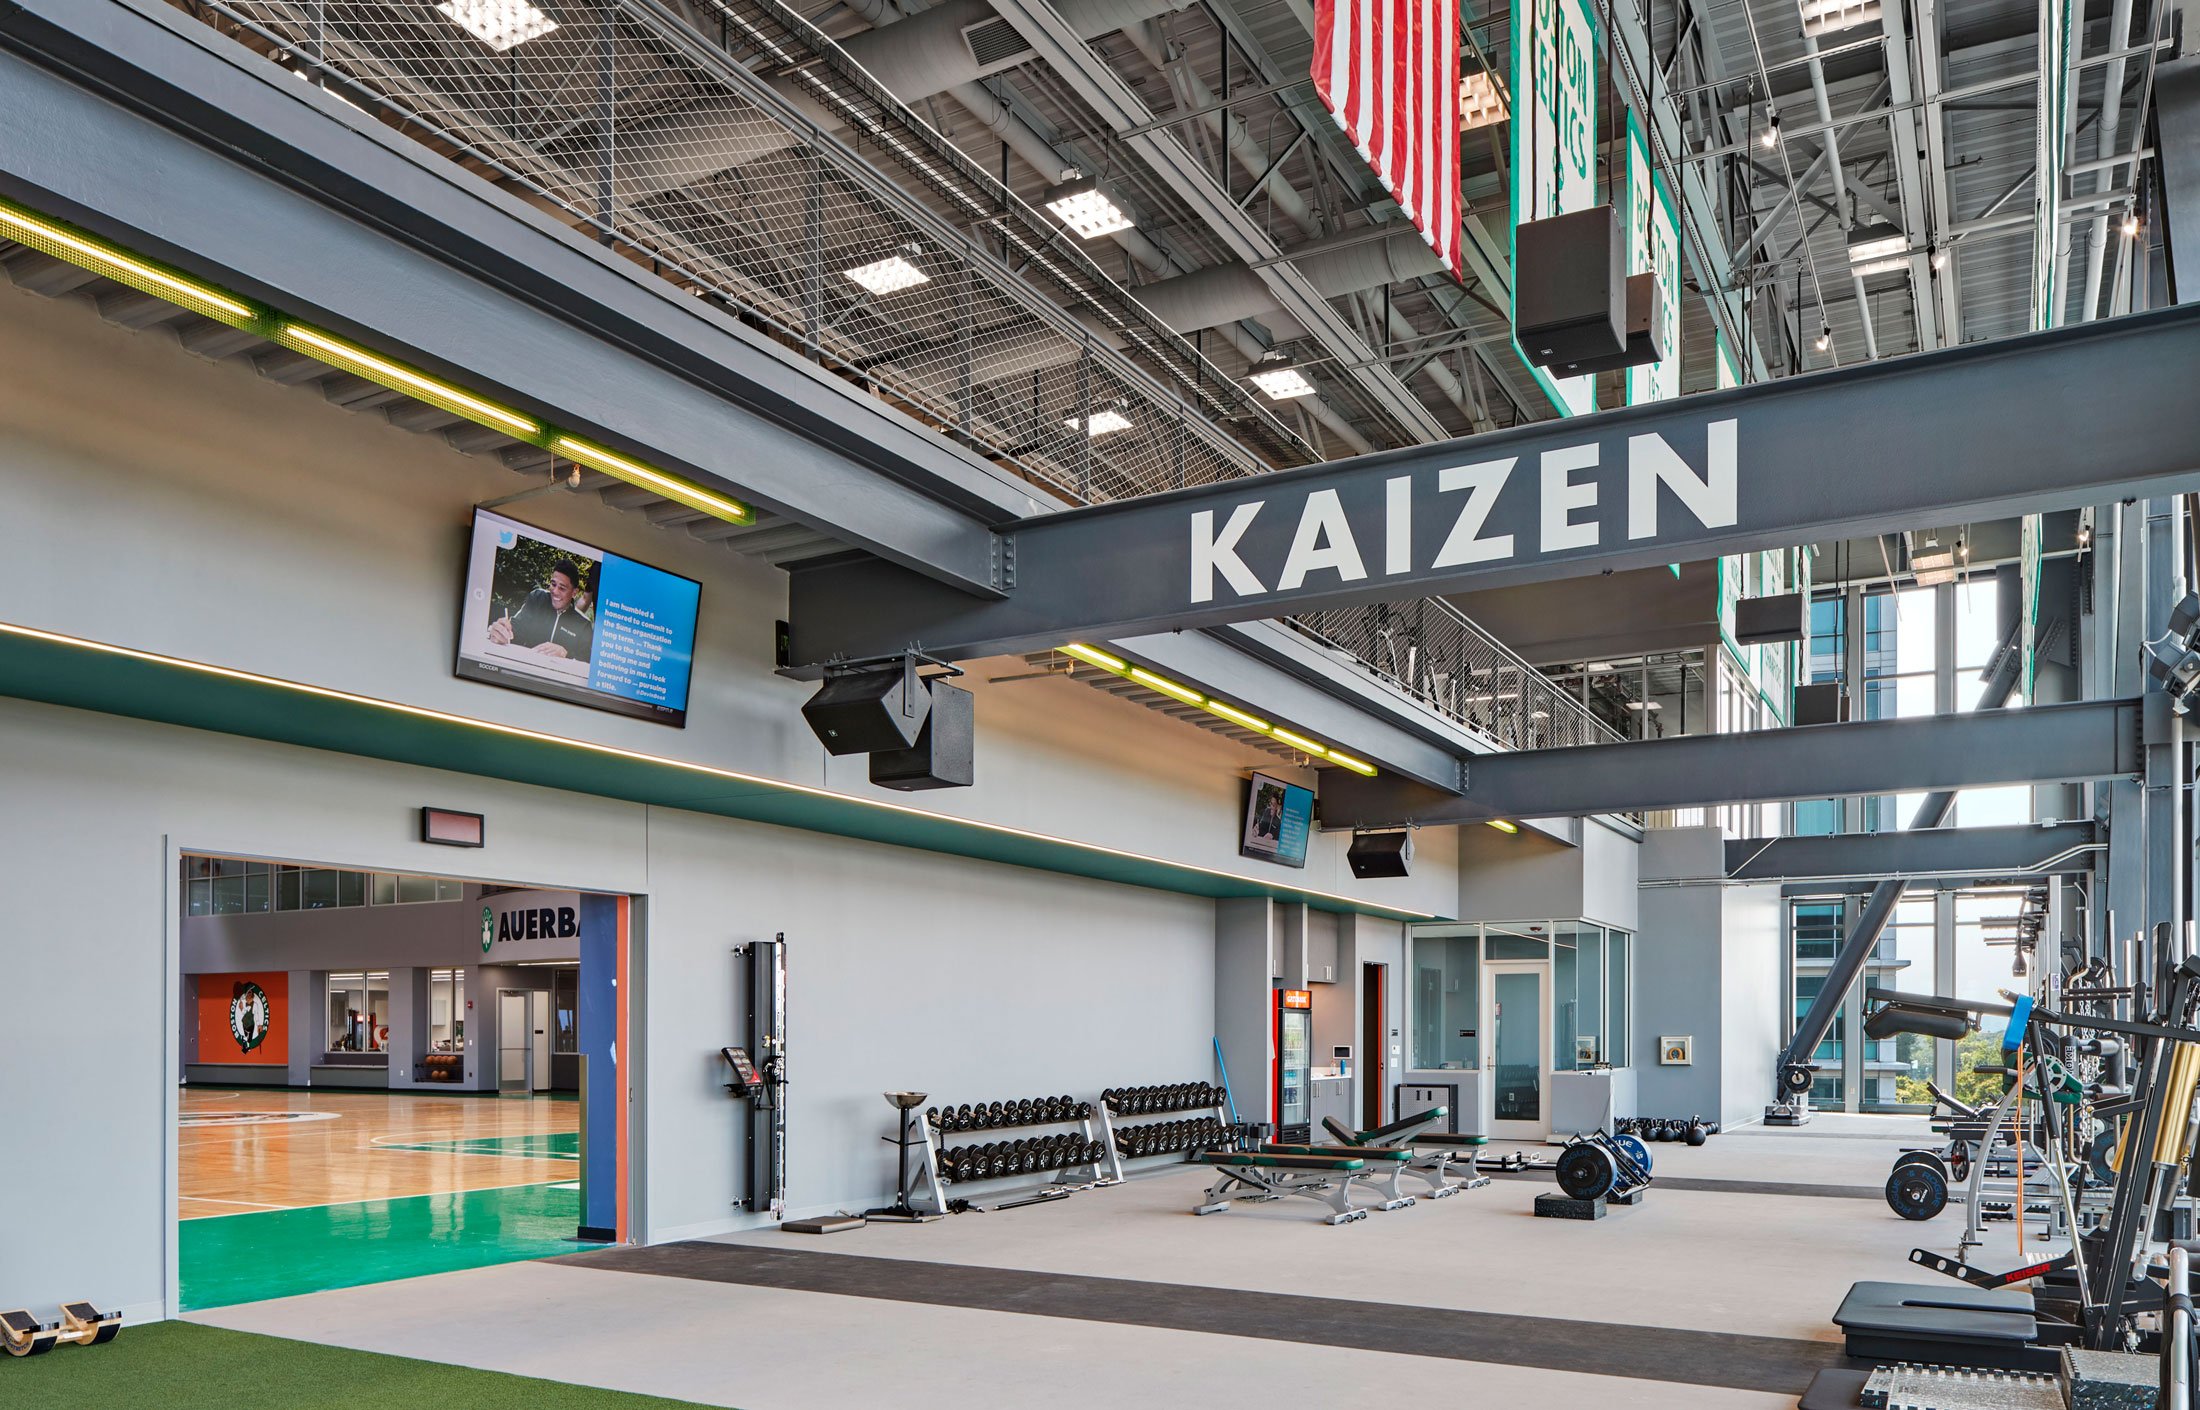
[[515, 1050], [1518, 1053]]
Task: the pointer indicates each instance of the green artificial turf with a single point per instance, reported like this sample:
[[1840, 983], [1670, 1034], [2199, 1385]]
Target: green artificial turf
[[183, 1366]]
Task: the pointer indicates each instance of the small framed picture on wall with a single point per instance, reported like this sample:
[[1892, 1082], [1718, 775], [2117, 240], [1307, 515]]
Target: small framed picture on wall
[[1676, 1052]]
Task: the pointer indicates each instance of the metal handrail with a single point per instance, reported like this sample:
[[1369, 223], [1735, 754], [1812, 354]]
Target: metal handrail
[[1437, 654], [1013, 341]]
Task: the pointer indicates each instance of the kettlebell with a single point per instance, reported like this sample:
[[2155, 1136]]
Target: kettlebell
[[1696, 1134]]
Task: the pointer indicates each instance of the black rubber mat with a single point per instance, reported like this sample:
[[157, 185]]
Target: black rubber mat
[[1722, 1187], [1773, 1364]]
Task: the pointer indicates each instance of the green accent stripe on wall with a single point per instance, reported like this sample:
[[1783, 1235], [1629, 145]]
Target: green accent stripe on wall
[[88, 675]]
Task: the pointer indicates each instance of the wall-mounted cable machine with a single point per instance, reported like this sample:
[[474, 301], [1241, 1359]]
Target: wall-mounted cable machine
[[759, 1074]]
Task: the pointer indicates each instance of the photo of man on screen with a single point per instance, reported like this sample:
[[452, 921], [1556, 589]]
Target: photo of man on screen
[[550, 620], [1267, 821]]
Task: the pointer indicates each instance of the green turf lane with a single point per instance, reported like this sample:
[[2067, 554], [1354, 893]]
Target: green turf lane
[[180, 1366]]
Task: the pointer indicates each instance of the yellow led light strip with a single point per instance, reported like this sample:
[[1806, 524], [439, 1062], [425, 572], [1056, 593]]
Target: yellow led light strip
[[1094, 656], [612, 751], [1503, 826], [634, 473], [87, 251], [353, 358], [26, 227]]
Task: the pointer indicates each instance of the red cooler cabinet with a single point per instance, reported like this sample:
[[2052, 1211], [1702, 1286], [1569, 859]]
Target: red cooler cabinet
[[1294, 1048]]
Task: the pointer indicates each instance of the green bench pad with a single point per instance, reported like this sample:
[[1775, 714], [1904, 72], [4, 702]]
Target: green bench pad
[[1356, 1152], [1446, 1138], [1279, 1162]]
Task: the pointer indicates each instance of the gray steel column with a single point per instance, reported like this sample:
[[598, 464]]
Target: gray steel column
[[2164, 732], [1852, 683], [2126, 815], [1944, 980], [1852, 1026]]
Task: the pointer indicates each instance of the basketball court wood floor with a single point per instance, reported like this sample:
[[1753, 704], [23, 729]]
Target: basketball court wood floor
[[281, 1192]]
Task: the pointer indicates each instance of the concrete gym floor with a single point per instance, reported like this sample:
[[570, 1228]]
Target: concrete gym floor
[[1716, 1292]]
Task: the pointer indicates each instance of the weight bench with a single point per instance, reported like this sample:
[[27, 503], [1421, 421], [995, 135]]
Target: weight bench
[[1939, 1324], [1385, 1164], [1433, 1151], [1325, 1179]]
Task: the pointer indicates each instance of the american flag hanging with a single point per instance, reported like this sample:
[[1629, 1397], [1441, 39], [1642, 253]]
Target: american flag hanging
[[1388, 70]]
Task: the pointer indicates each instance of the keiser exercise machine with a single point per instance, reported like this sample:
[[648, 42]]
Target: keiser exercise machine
[[760, 1074], [2092, 1295]]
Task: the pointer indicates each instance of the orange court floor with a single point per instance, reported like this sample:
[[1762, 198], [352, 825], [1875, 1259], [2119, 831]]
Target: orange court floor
[[244, 1149]]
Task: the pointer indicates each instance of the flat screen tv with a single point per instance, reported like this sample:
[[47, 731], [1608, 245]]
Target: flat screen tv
[[1278, 817], [554, 616]]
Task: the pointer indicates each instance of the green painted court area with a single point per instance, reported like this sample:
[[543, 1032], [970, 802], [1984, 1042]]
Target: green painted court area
[[237, 1258], [549, 1145], [179, 1366]]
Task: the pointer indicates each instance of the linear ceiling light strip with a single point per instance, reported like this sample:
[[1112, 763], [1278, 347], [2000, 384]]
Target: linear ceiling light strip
[[103, 257], [1221, 710], [612, 751]]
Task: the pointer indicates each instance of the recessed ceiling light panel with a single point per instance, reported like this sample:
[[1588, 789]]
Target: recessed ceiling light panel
[[890, 275], [500, 24]]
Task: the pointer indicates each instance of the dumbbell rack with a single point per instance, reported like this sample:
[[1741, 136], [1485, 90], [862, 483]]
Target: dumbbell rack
[[1218, 1109], [1108, 1171]]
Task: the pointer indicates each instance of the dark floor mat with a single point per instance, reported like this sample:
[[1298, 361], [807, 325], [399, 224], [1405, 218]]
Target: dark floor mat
[[1547, 1343]]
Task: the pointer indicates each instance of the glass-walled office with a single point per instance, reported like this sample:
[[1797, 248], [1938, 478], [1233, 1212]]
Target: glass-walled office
[[1577, 1015]]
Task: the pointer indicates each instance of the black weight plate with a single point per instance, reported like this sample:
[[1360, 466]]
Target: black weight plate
[[1931, 1158], [1917, 1191], [1585, 1171]]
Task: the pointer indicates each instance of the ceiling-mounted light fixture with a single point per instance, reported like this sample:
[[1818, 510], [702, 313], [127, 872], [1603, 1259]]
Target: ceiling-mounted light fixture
[[1877, 247], [1822, 17], [1480, 104], [1279, 377], [2131, 226], [890, 275], [1502, 825], [1940, 259], [500, 24], [1105, 422], [1222, 710], [1825, 337], [1933, 564], [1770, 137], [1085, 206]]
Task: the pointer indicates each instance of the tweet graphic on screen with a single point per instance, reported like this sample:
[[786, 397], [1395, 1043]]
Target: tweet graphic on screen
[[554, 616], [645, 634]]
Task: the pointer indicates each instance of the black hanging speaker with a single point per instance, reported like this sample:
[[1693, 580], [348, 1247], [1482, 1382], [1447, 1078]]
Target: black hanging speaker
[[1645, 332], [1821, 704], [1765, 621], [942, 755], [867, 712], [1570, 287], [1380, 854]]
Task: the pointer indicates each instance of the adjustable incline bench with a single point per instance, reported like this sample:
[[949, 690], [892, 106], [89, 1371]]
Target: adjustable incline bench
[[1273, 1172], [1431, 1152]]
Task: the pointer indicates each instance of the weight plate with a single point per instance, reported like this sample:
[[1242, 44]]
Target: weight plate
[[1931, 1158], [1585, 1171], [1917, 1191], [1636, 1150]]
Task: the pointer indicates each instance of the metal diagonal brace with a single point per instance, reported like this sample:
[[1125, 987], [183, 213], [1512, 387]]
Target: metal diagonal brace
[[1792, 1069]]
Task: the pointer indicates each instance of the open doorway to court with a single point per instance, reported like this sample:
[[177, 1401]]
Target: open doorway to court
[[387, 1075]]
